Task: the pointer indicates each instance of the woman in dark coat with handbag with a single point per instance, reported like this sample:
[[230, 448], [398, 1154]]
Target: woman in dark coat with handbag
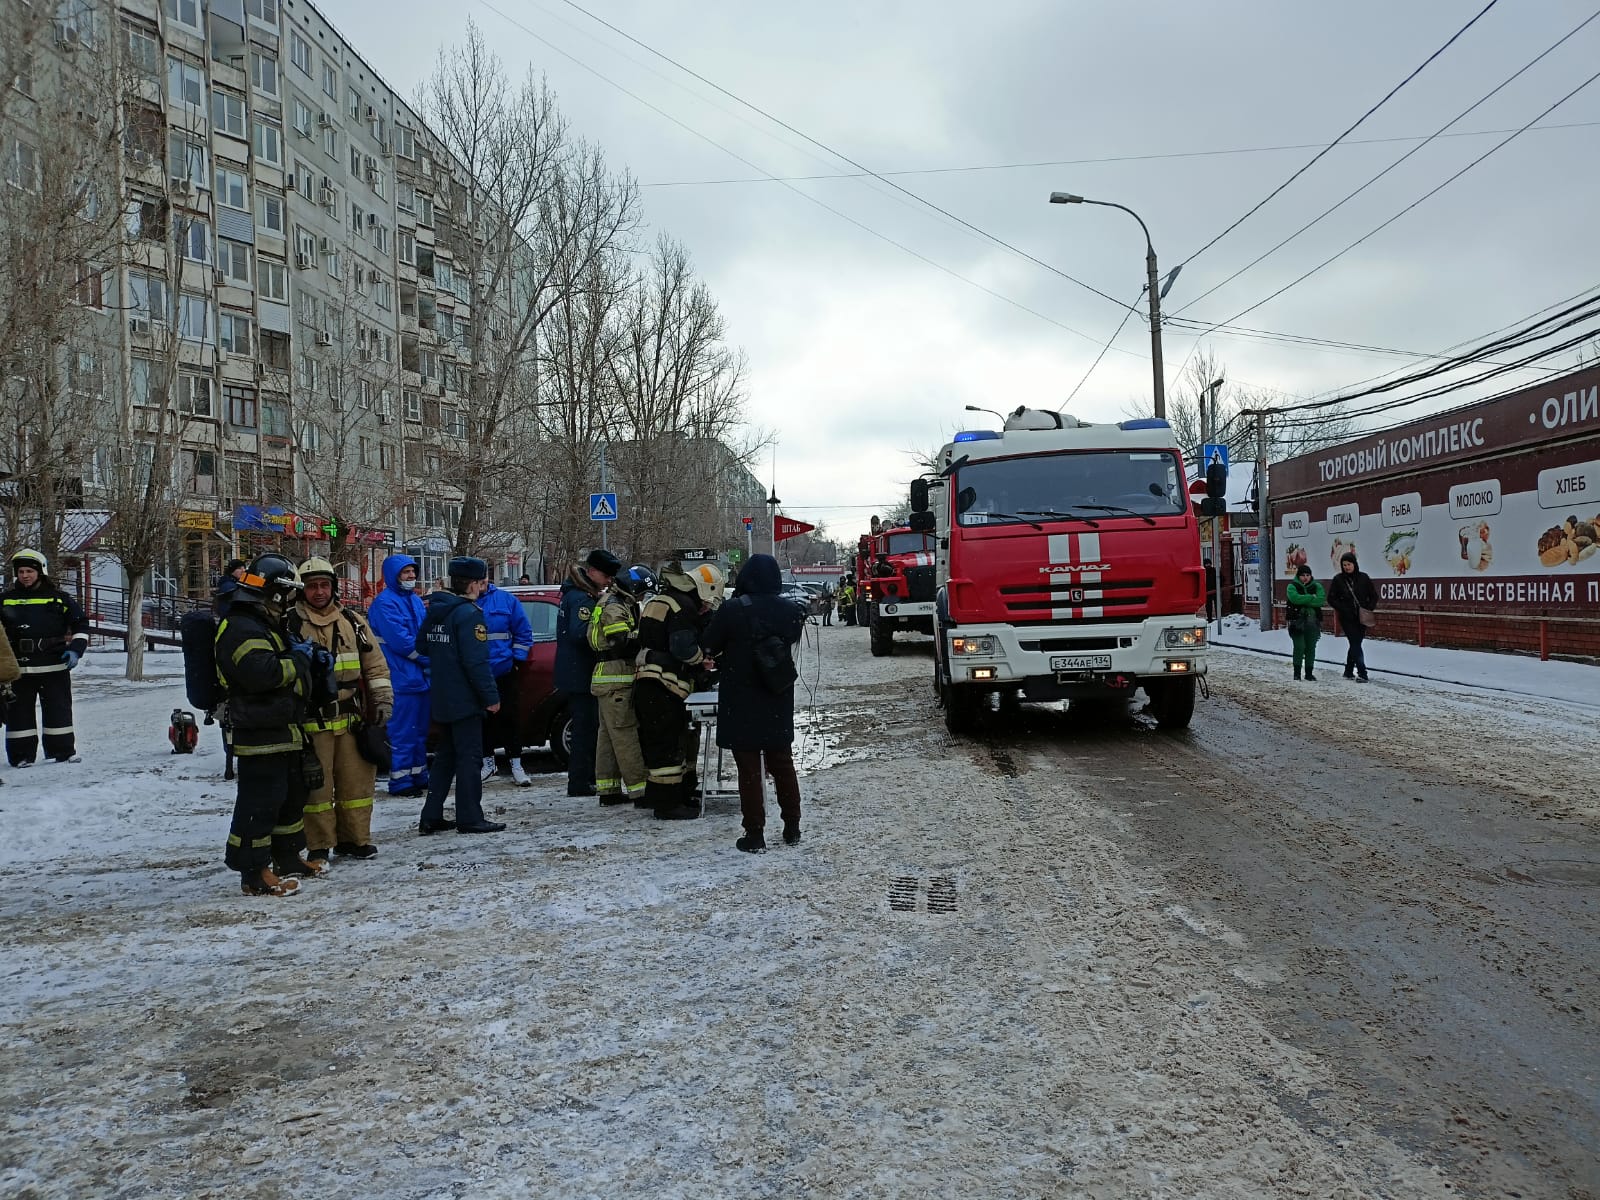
[[1351, 594], [750, 637]]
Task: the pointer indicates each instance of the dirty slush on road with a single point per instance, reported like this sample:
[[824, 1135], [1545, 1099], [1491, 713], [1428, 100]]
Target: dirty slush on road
[[1074, 956]]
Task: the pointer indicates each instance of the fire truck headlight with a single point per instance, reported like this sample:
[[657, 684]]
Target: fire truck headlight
[[974, 645], [1195, 636]]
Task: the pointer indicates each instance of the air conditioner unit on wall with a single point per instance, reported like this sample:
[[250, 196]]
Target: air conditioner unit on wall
[[324, 121], [324, 339], [303, 260]]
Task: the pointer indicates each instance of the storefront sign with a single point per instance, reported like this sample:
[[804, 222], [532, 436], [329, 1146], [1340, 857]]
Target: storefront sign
[[202, 521]]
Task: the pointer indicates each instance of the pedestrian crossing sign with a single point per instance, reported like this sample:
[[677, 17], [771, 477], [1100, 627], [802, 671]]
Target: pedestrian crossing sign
[[602, 506], [1214, 454]]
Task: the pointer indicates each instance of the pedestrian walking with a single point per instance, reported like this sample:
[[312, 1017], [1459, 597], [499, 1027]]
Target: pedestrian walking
[[510, 643], [457, 644], [670, 659], [827, 605], [847, 600], [1306, 598], [619, 771], [1352, 595], [49, 635], [338, 815], [269, 680], [396, 616], [751, 638], [575, 662]]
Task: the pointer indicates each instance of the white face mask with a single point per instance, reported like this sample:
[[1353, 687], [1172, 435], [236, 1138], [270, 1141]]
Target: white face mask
[[408, 585]]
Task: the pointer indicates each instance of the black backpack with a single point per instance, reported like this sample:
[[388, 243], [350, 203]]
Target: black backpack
[[773, 663], [197, 632]]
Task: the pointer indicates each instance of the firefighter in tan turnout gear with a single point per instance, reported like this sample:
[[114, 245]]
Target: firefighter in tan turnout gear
[[619, 772], [669, 640], [338, 815]]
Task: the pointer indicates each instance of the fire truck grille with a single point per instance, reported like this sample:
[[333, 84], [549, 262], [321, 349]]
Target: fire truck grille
[[919, 583], [1118, 599]]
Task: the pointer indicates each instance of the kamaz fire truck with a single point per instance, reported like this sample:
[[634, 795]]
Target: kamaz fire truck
[[894, 583], [1068, 566]]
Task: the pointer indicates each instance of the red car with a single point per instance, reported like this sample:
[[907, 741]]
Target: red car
[[544, 713]]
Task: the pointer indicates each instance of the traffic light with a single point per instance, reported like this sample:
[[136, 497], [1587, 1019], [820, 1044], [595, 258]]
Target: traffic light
[[1216, 502]]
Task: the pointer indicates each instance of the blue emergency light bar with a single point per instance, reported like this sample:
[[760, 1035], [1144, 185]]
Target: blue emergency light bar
[[977, 435], [1143, 423]]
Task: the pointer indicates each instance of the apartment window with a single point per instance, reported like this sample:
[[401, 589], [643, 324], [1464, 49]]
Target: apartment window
[[355, 105], [302, 118], [274, 350], [305, 253], [355, 162], [306, 376], [424, 210], [405, 197], [186, 84], [380, 238], [304, 181], [427, 364], [264, 72], [200, 472], [241, 402], [411, 403], [139, 375], [184, 12], [232, 191], [310, 438], [335, 264], [361, 281], [446, 279], [383, 295], [274, 417], [241, 477], [269, 144], [364, 394], [405, 142], [300, 53], [273, 283], [385, 457], [455, 423], [330, 141], [406, 245], [265, 11], [147, 298], [194, 318], [269, 213], [307, 303], [196, 238], [83, 372], [143, 48], [375, 178], [187, 161], [194, 395], [227, 114], [234, 259], [330, 81], [90, 292], [233, 334], [366, 452]]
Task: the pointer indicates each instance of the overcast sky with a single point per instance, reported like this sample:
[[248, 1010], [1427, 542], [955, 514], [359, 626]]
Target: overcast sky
[[860, 352]]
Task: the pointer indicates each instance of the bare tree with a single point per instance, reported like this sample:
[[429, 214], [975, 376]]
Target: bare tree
[[533, 209]]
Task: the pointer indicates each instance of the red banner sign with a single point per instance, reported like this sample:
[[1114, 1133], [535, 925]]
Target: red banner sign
[[784, 528]]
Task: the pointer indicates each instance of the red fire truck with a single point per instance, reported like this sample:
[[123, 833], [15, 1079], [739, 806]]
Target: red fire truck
[[1068, 566], [894, 583]]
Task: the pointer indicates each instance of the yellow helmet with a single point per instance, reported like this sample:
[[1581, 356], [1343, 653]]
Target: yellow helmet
[[708, 582], [314, 568]]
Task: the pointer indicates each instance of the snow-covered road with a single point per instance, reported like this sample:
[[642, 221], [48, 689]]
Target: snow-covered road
[[978, 975]]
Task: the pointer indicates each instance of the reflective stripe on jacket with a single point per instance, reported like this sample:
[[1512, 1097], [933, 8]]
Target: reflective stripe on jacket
[[613, 636], [669, 640], [356, 656], [266, 690]]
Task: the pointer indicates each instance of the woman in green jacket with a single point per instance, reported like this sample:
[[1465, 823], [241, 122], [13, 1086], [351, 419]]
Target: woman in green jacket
[[1306, 599]]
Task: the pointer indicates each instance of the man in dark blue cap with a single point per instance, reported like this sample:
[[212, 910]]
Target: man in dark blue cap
[[456, 642]]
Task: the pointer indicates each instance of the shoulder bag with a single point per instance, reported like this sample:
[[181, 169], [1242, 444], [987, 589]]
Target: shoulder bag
[[774, 665]]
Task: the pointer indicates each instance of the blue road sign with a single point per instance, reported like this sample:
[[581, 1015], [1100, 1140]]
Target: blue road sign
[[602, 506], [1213, 453]]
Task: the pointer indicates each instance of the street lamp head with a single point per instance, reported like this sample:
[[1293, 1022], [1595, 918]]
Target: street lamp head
[[1065, 198], [1216, 383]]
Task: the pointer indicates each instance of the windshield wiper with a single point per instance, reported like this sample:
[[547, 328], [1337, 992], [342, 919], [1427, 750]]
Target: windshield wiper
[[1053, 515], [1116, 508], [1009, 517], [954, 467]]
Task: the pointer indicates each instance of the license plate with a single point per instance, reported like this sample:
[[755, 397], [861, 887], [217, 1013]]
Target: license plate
[[1080, 662]]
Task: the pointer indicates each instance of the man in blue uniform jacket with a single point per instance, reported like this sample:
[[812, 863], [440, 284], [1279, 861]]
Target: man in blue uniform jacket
[[456, 642]]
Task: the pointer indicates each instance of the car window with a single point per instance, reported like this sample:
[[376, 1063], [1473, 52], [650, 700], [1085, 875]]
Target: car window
[[542, 617]]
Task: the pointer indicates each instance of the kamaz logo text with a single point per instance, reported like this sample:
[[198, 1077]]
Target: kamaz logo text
[[1064, 568]]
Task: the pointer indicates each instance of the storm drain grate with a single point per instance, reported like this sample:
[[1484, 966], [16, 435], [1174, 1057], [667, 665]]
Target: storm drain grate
[[941, 893], [903, 893]]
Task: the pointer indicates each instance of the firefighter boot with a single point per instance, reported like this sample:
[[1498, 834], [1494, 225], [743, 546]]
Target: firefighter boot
[[265, 883]]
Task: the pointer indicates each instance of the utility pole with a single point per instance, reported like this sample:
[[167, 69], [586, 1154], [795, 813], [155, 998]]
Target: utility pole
[[1216, 518], [605, 526], [1264, 559]]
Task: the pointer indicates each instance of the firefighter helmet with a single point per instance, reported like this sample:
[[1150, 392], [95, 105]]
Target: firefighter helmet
[[316, 568], [269, 578], [636, 580], [30, 558], [708, 582]]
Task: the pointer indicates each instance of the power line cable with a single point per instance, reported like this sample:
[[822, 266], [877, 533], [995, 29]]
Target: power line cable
[[1316, 158], [1071, 162], [1115, 335], [797, 191], [1478, 103], [845, 158]]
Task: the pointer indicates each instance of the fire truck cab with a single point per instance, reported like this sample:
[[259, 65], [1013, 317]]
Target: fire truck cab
[[1068, 566], [895, 583]]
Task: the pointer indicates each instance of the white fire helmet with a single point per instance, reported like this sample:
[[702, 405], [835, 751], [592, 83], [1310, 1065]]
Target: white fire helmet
[[708, 582]]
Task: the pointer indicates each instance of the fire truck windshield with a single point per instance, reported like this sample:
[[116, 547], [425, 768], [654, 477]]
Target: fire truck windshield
[[909, 543], [1004, 491]]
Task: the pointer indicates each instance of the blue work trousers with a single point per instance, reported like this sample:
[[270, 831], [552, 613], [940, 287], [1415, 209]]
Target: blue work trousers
[[408, 740], [459, 759]]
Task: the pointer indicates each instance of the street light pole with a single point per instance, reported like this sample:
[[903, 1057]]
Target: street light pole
[[1216, 523], [1152, 287]]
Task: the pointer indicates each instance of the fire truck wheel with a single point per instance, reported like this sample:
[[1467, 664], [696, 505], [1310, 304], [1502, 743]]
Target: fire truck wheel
[[961, 708], [1172, 701], [882, 638]]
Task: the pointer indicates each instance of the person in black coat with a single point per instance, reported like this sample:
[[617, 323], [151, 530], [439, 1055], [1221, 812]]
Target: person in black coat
[[1349, 592], [456, 642], [754, 721]]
